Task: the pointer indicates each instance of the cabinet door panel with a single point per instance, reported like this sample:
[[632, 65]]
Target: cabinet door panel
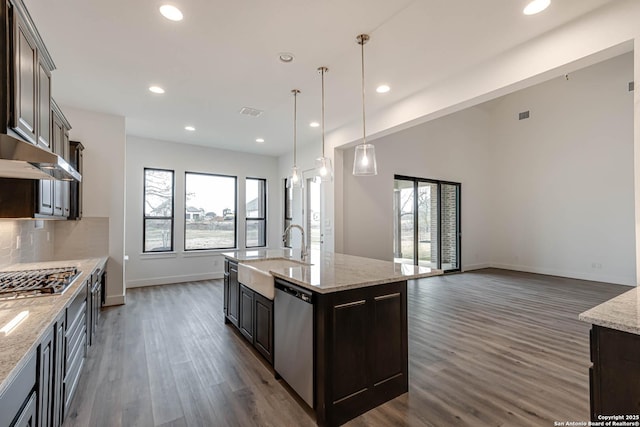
[[263, 331], [234, 293], [246, 312], [225, 302], [28, 417], [388, 356], [58, 198], [44, 106], [26, 80], [350, 344], [45, 206], [46, 380], [58, 409]]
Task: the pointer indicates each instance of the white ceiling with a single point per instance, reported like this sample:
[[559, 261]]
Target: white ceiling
[[224, 56]]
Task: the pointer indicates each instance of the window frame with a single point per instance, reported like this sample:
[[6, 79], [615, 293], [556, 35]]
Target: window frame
[[145, 217], [264, 210], [235, 212]]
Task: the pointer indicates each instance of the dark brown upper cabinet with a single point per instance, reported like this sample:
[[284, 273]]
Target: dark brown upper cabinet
[[30, 101]]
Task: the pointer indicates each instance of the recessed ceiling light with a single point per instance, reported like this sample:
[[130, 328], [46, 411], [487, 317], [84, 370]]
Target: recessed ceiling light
[[170, 12], [536, 6], [189, 128], [259, 140], [286, 57], [156, 89], [383, 89], [314, 124]]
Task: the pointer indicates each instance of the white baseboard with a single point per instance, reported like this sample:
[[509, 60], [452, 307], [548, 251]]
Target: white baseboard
[[165, 280], [595, 277], [471, 267], [114, 300]]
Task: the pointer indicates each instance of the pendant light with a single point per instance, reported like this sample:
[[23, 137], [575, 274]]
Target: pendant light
[[364, 161], [295, 180], [323, 164]]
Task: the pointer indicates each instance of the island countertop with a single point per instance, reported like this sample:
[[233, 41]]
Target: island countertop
[[43, 311], [621, 313], [326, 272]]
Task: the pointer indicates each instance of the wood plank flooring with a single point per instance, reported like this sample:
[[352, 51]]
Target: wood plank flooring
[[491, 347]]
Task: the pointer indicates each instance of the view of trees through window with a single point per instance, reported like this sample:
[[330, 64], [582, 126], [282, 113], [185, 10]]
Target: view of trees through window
[[256, 211], [210, 211], [158, 210]]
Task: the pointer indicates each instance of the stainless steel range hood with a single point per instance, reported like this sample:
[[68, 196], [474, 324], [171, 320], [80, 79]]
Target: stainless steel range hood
[[19, 159]]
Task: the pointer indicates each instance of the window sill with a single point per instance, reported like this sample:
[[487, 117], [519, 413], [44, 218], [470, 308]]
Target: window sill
[[205, 252], [158, 255]]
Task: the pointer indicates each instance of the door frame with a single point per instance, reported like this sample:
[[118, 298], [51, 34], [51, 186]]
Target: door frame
[[439, 184]]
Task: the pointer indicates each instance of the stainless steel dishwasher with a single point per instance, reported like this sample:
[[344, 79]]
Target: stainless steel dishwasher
[[293, 338]]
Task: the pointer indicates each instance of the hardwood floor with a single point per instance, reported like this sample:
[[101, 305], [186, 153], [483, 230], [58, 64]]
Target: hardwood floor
[[490, 347]]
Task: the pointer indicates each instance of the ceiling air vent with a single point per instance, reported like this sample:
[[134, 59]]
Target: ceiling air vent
[[248, 111], [523, 115], [631, 86]]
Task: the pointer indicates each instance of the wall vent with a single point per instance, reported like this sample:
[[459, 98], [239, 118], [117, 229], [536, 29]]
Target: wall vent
[[248, 111], [631, 86], [523, 115]]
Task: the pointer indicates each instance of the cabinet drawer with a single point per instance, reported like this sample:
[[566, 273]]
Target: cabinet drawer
[[73, 343], [77, 305], [15, 395], [73, 375], [78, 323]]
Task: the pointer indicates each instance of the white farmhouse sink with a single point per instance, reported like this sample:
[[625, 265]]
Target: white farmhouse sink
[[255, 274]]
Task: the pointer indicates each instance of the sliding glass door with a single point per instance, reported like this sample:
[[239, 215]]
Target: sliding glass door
[[427, 223]]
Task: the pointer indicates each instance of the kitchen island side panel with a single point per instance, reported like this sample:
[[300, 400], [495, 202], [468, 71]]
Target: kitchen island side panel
[[361, 350]]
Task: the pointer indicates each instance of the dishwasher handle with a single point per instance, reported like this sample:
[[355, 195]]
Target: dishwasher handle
[[295, 291]]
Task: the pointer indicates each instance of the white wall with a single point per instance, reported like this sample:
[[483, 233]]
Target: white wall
[[103, 181], [597, 36], [180, 266], [452, 148], [552, 194], [562, 180]]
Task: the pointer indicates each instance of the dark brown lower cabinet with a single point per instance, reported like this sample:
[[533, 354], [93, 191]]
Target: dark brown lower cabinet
[[263, 329], [75, 343], [28, 416], [18, 401], [246, 313], [250, 312], [46, 378], [58, 401], [361, 349], [615, 374], [233, 291]]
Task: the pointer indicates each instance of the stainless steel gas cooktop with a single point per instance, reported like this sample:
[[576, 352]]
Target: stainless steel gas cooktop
[[32, 283]]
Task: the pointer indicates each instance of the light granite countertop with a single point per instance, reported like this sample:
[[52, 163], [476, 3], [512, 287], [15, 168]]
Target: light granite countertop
[[43, 311], [621, 313], [327, 272]]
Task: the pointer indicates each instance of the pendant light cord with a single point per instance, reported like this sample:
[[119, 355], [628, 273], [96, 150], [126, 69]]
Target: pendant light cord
[[295, 119], [323, 69], [364, 129]]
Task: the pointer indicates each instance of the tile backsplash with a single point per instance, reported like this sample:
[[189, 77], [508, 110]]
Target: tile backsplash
[[87, 238], [39, 240], [25, 241]]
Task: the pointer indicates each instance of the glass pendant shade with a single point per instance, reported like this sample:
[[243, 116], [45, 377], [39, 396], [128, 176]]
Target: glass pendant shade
[[324, 170], [364, 161], [295, 179]]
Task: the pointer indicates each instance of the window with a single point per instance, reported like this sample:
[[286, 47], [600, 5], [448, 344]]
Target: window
[[256, 206], [158, 210], [288, 211], [210, 211]]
